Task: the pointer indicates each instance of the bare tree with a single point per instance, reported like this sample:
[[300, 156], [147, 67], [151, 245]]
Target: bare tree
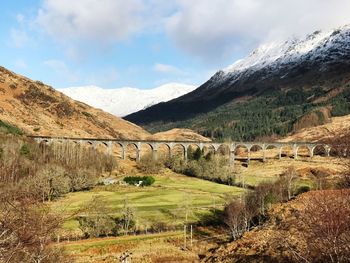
[[26, 230], [235, 218], [127, 216], [324, 227], [97, 220], [288, 179]]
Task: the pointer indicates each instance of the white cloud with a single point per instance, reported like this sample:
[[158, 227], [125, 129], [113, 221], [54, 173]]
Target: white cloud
[[204, 28], [168, 69], [100, 21], [207, 28]]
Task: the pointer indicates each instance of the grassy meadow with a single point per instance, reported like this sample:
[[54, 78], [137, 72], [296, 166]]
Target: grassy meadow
[[168, 200]]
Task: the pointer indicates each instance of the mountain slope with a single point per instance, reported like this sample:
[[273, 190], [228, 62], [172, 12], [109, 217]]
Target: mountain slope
[[39, 109], [124, 101], [277, 89]]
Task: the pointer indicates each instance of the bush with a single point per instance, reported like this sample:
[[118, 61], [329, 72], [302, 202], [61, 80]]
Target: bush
[[13, 86], [82, 179], [134, 180], [25, 150], [9, 129], [148, 165], [176, 164], [302, 189], [97, 225], [193, 168], [49, 183]]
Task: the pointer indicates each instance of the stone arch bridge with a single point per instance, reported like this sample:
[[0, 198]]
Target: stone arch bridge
[[227, 148]]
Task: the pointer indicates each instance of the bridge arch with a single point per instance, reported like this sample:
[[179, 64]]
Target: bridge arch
[[242, 151], [118, 150], [303, 151], [208, 150], [164, 151], [257, 151], [319, 150], [101, 147], [273, 151], [223, 149], [192, 149], [146, 150], [179, 150], [132, 151], [287, 150]]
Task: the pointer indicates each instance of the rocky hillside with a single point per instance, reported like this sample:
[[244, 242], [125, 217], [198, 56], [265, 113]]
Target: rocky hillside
[[38, 109], [279, 88], [282, 238]]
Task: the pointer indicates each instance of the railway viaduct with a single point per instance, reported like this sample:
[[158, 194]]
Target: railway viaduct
[[226, 148]]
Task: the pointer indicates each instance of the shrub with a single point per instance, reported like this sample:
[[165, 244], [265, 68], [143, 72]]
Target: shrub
[[97, 225], [82, 179], [89, 115], [194, 154], [148, 165], [145, 180], [13, 86], [49, 183], [176, 164], [302, 189], [193, 168], [9, 129], [25, 150]]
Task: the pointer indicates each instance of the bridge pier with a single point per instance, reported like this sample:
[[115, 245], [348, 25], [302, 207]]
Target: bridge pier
[[295, 152], [232, 158], [280, 154], [311, 151], [109, 148], [123, 152], [264, 154], [328, 150], [154, 154]]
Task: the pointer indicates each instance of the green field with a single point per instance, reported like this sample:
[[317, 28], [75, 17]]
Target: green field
[[167, 200]]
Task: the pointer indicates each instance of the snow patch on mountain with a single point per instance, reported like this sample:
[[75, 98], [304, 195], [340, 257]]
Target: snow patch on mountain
[[124, 101], [277, 53]]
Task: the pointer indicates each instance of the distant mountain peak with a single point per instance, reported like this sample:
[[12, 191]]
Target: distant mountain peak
[[279, 52], [126, 100]]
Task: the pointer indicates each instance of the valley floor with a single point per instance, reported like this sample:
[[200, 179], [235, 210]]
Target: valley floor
[[170, 200]]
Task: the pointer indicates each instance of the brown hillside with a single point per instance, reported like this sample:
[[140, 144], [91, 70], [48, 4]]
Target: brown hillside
[[179, 135], [278, 238], [336, 127], [38, 109]]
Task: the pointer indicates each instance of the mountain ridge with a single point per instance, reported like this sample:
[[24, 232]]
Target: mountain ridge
[[279, 81], [38, 109], [126, 100]]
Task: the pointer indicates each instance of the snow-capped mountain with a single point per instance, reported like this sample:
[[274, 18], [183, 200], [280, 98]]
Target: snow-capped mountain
[[320, 46], [315, 66], [123, 101]]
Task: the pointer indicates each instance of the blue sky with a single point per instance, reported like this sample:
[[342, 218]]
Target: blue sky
[[146, 43]]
